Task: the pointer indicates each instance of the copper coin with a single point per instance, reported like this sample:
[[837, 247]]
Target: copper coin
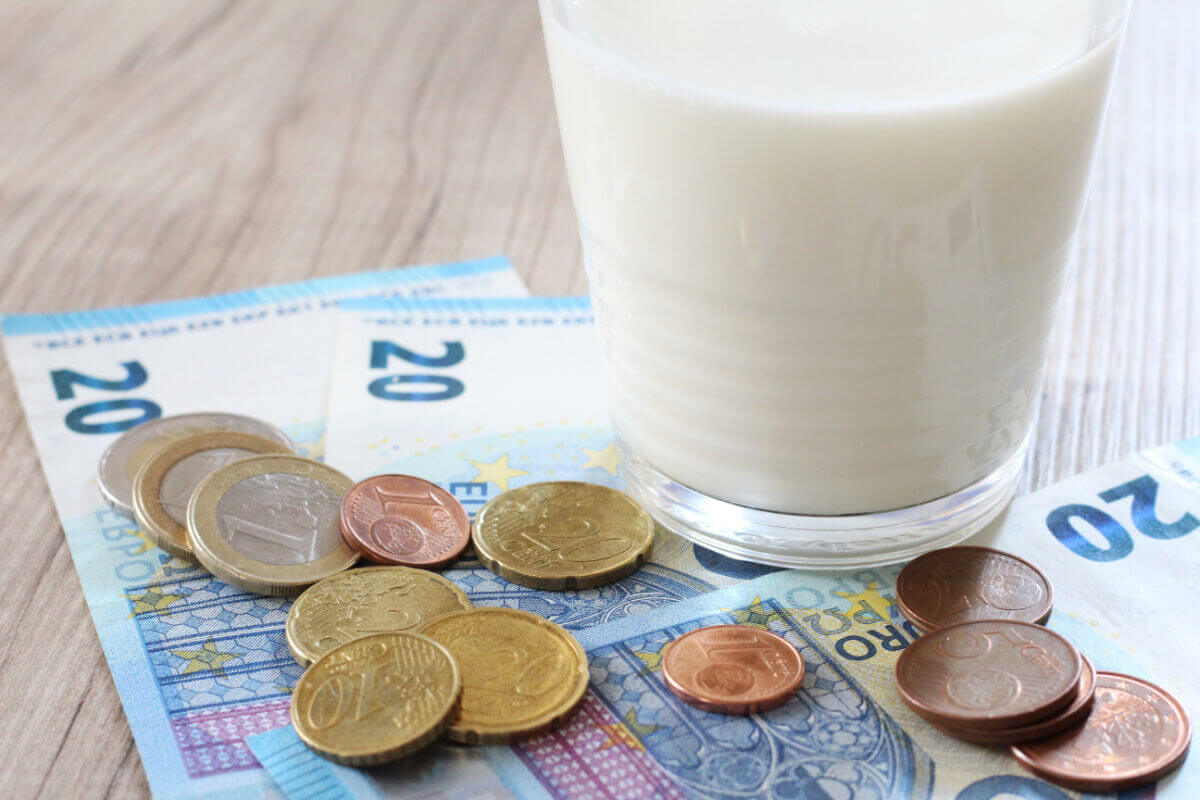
[[732, 669], [406, 521], [1069, 717], [989, 675], [960, 584], [1136, 733]]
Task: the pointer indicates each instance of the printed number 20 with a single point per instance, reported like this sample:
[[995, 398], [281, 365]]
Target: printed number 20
[[79, 419], [1144, 491], [392, 387]]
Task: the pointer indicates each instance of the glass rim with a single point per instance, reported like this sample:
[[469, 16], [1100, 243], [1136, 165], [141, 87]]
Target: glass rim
[[553, 13]]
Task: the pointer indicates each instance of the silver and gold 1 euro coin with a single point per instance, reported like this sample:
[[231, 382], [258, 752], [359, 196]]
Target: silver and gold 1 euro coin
[[269, 524], [164, 484], [562, 535], [120, 462]]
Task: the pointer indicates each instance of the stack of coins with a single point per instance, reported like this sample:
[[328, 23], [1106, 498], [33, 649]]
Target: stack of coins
[[987, 672]]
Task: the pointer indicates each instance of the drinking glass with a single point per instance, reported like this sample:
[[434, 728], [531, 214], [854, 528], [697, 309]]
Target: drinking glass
[[824, 313]]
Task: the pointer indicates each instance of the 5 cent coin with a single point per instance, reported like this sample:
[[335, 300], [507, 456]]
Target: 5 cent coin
[[399, 519], [1069, 717], [376, 699], [1135, 733], [732, 669], [960, 584], [522, 674], [362, 602], [562, 535], [989, 675]]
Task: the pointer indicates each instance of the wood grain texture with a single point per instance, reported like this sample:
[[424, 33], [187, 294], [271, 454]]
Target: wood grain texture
[[153, 150]]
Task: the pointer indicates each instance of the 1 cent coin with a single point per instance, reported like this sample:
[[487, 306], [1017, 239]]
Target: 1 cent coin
[[376, 699], [406, 521], [989, 675], [562, 535], [1069, 717], [732, 669], [960, 584], [1135, 733]]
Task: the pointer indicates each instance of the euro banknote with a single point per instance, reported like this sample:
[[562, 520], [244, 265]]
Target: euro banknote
[[1119, 543], [198, 664]]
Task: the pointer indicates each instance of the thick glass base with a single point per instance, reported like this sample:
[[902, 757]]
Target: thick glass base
[[821, 542]]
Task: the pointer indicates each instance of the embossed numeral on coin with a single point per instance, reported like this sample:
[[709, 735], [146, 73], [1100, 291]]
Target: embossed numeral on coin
[[329, 703], [341, 694], [517, 672], [237, 528], [573, 539]]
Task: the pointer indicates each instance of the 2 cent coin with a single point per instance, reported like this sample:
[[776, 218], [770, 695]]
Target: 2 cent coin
[[1135, 733], [960, 584], [406, 521], [732, 669]]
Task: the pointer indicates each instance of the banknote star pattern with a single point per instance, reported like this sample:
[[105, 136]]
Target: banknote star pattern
[[208, 657], [627, 733], [144, 545], [153, 601], [605, 459], [652, 658], [870, 599], [498, 472], [755, 614]]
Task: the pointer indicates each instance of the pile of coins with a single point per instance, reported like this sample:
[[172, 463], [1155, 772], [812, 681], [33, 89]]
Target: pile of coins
[[987, 672], [396, 655]]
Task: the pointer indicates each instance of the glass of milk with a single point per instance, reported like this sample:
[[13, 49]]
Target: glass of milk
[[825, 240]]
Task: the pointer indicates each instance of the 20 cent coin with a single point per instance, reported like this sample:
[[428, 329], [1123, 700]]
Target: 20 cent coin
[[562, 535], [522, 674]]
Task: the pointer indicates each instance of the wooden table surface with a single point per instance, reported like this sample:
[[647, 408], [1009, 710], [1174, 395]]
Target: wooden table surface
[[153, 150]]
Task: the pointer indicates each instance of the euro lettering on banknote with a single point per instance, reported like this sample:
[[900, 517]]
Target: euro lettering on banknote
[[1119, 543], [198, 664]]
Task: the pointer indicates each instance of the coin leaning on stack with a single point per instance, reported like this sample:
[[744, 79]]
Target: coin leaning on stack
[[986, 671]]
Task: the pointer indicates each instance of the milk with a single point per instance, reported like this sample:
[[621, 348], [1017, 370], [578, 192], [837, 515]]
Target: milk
[[825, 239]]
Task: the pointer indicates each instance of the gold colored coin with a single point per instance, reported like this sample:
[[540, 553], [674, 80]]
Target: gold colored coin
[[562, 535], [522, 674], [269, 524], [376, 699], [362, 602], [167, 478]]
